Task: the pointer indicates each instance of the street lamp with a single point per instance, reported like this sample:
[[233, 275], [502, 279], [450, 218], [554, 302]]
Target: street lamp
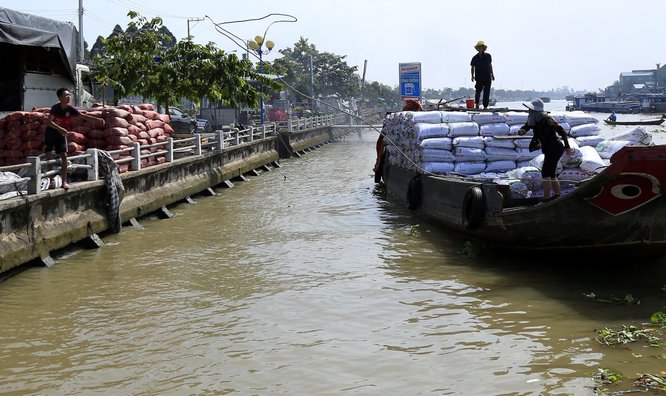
[[257, 46], [312, 86]]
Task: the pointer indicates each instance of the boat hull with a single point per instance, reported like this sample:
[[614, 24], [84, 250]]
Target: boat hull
[[645, 122], [620, 211]]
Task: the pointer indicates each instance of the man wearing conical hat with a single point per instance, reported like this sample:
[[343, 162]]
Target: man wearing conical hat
[[482, 73]]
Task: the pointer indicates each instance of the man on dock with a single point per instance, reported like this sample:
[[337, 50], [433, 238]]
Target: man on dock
[[59, 123], [482, 72]]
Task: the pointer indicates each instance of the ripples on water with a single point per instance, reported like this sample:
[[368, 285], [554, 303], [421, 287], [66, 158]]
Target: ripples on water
[[305, 280]]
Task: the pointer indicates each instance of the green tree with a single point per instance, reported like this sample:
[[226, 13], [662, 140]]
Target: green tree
[[332, 74], [145, 60]]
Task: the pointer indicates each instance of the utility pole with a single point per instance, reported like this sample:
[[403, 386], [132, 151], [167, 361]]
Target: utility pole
[[192, 20], [365, 66], [81, 50]]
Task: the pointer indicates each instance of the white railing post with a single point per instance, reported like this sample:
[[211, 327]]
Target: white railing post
[[197, 144], [169, 148], [136, 156], [220, 140], [92, 161], [263, 135], [252, 131], [237, 131], [35, 173], [290, 125]]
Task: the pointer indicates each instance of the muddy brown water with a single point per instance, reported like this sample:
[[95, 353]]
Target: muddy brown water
[[307, 281]]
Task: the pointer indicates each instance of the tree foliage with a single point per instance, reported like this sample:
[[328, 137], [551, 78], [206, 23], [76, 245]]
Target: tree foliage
[[147, 60], [333, 75]]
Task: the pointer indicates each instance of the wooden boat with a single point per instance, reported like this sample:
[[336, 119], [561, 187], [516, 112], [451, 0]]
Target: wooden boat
[[658, 121], [619, 212]]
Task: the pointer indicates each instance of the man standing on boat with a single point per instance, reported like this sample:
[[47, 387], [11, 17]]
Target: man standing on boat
[[482, 72], [553, 141]]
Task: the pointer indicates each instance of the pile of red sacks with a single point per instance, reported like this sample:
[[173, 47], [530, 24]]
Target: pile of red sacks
[[22, 133]]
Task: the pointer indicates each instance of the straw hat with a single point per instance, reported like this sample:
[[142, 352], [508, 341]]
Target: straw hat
[[480, 44], [535, 104]]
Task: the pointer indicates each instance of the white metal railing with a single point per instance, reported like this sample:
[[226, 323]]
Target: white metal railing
[[300, 124], [197, 144], [33, 170]]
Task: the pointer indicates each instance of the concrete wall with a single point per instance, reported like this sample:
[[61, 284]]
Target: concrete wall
[[289, 143], [34, 225]]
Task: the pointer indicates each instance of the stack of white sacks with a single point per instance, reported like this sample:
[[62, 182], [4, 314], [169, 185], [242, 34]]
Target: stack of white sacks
[[450, 142]]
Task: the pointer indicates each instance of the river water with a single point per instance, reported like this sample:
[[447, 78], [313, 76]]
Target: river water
[[306, 280]]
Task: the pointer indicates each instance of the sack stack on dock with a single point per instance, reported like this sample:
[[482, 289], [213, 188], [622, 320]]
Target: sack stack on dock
[[466, 143], [22, 133]]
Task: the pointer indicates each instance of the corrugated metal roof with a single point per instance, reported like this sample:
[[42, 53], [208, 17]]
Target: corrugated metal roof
[[637, 74]]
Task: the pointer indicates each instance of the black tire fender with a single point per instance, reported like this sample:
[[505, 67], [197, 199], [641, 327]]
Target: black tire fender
[[414, 193], [473, 208]]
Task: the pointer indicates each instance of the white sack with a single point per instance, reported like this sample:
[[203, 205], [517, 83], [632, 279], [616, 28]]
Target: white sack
[[437, 143], [607, 148], [494, 129], [439, 168], [592, 162], [425, 131], [469, 141], [463, 129], [435, 155], [636, 135], [469, 167]]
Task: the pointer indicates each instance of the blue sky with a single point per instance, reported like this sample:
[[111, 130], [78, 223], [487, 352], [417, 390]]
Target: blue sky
[[544, 44]]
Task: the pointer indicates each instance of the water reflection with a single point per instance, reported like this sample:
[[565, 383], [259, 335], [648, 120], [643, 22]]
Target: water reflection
[[312, 283]]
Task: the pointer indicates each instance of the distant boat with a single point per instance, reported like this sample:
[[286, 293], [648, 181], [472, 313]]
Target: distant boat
[[599, 103], [638, 122], [492, 102], [545, 99]]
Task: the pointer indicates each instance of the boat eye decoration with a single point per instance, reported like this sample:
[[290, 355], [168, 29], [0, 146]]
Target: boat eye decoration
[[628, 192], [625, 191]]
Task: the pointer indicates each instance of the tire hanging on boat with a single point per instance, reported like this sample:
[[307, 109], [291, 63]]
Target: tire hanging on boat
[[414, 193], [380, 169], [473, 208]]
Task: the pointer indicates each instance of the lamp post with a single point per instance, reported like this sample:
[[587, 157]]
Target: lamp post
[[257, 45], [312, 86]]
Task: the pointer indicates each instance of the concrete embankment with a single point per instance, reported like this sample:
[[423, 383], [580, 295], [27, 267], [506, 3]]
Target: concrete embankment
[[33, 226]]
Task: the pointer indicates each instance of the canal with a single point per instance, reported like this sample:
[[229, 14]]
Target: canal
[[305, 280]]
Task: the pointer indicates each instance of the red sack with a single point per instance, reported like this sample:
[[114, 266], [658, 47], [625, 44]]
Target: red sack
[[96, 143], [127, 108], [152, 124], [75, 137], [151, 115], [118, 141], [112, 122], [16, 115], [74, 147], [116, 132], [139, 118], [14, 144], [156, 132], [168, 129], [111, 112], [147, 106], [165, 118], [84, 130], [112, 147]]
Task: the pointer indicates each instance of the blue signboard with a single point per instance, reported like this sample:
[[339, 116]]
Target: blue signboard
[[410, 80]]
